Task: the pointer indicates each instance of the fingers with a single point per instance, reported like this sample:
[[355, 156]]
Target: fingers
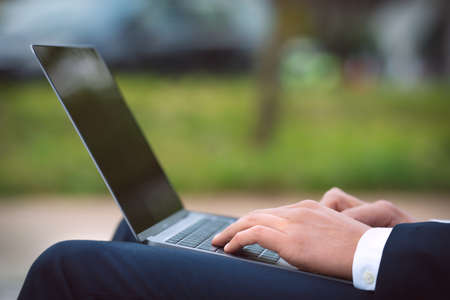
[[375, 214], [381, 213], [338, 200], [246, 222], [265, 236]]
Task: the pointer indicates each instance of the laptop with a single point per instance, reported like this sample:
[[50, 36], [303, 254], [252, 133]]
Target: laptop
[[125, 160]]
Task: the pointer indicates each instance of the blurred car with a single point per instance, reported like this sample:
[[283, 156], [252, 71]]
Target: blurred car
[[133, 33]]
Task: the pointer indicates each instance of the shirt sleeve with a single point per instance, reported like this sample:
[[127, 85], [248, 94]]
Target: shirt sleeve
[[440, 221], [367, 258]]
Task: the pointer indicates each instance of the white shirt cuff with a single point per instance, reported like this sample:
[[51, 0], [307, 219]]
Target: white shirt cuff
[[440, 221], [367, 258]]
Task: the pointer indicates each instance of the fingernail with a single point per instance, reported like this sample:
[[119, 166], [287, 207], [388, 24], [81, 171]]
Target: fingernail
[[226, 247]]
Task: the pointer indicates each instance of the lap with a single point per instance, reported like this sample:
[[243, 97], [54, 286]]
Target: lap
[[134, 271]]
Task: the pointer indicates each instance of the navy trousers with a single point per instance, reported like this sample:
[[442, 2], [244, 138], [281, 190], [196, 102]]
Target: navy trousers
[[124, 269]]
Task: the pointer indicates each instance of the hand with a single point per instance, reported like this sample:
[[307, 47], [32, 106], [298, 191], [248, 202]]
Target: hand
[[307, 235], [381, 213]]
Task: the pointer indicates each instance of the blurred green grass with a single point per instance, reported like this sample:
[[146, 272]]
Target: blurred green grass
[[201, 128]]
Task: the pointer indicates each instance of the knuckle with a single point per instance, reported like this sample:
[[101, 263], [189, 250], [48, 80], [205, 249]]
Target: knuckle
[[302, 213], [332, 197], [334, 192], [258, 230], [257, 211], [385, 204], [309, 204], [250, 218], [238, 237], [284, 223]]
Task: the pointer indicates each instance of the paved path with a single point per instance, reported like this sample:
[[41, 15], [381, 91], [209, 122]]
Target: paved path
[[28, 225]]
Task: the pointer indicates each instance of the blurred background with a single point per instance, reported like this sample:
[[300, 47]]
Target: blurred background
[[247, 104]]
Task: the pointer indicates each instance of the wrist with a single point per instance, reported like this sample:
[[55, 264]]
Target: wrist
[[350, 252]]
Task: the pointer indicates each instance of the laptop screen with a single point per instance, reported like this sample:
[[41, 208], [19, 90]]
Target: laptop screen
[[106, 125]]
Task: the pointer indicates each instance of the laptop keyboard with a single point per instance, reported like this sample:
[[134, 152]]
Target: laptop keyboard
[[200, 234]]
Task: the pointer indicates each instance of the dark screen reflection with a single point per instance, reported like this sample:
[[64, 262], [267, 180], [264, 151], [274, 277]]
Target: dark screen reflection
[[112, 135]]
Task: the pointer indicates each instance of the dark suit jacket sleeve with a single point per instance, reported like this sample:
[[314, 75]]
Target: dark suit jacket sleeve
[[415, 263]]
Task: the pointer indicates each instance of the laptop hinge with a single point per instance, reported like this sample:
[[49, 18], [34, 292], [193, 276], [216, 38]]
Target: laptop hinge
[[162, 225]]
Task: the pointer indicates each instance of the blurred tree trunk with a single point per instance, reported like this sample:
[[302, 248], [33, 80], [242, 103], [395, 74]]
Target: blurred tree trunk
[[291, 20], [268, 92], [295, 18]]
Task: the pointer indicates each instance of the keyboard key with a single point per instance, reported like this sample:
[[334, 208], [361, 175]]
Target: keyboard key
[[182, 234], [175, 239], [270, 253], [191, 244], [269, 256], [255, 248], [206, 245], [246, 254], [207, 230], [220, 250], [207, 248], [250, 251]]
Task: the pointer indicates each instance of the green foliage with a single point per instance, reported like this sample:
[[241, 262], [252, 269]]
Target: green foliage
[[201, 128]]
